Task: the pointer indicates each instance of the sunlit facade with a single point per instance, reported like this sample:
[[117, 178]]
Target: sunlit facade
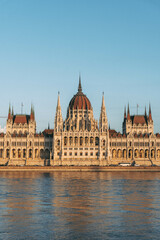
[[79, 139]]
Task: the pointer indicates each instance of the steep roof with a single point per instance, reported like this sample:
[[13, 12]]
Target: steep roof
[[138, 119], [48, 132], [21, 119]]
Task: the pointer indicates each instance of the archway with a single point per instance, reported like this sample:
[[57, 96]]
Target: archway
[[114, 153], [47, 154]]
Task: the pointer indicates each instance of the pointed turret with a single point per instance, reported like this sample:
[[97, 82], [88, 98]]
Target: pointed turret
[[150, 114], [125, 112], [128, 113], [145, 113], [58, 101], [12, 111], [103, 121], [79, 85], [58, 123], [103, 103], [9, 112], [32, 113]]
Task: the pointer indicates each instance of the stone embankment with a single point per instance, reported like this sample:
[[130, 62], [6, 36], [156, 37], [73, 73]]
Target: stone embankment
[[78, 169]]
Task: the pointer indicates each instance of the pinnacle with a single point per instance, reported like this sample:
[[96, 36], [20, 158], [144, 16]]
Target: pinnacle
[[79, 86]]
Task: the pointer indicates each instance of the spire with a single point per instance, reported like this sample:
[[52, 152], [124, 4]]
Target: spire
[[9, 112], [58, 101], [150, 114], [103, 104], [103, 121], [32, 112], [79, 86], [125, 112], [58, 122], [145, 113], [12, 111], [48, 126], [128, 113]]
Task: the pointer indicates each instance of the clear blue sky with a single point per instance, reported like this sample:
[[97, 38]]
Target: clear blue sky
[[114, 44]]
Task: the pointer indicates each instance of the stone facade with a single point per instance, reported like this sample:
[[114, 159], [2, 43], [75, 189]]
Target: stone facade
[[21, 145], [79, 139], [138, 143]]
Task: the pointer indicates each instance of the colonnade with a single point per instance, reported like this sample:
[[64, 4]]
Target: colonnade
[[136, 153], [25, 153]]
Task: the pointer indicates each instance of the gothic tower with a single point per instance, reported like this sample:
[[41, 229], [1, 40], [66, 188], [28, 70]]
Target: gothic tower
[[103, 121], [104, 134], [58, 122], [58, 129]]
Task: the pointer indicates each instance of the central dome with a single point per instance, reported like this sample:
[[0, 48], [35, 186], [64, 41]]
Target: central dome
[[79, 100]]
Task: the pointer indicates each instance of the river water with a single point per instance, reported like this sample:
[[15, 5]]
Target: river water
[[80, 205]]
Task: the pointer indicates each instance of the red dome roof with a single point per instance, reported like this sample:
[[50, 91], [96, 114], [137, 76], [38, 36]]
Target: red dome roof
[[80, 101]]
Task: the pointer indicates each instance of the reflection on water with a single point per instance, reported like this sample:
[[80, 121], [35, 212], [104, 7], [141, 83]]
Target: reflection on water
[[65, 205]]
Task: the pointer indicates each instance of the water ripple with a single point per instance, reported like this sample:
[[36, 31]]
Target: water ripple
[[79, 205]]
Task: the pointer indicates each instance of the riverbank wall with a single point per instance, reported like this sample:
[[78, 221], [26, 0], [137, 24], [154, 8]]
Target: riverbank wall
[[77, 169]]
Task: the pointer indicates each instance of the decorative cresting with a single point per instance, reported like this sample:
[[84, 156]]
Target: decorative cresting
[[79, 100]]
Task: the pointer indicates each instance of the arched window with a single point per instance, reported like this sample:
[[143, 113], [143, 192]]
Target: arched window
[[30, 153], [7, 153], [124, 153], [97, 141], [41, 153], [1, 153], [13, 153], [141, 155], [76, 140], [146, 153], [70, 140], [114, 155], [130, 153], [136, 153], [36, 153], [19, 153], [119, 153], [58, 142], [158, 153], [86, 140], [65, 141], [24, 153], [47, 154], [91, 140], [81, 141], [152, 153]]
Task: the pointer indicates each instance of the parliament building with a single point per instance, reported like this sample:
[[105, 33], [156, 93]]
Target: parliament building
[[79, 139]]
